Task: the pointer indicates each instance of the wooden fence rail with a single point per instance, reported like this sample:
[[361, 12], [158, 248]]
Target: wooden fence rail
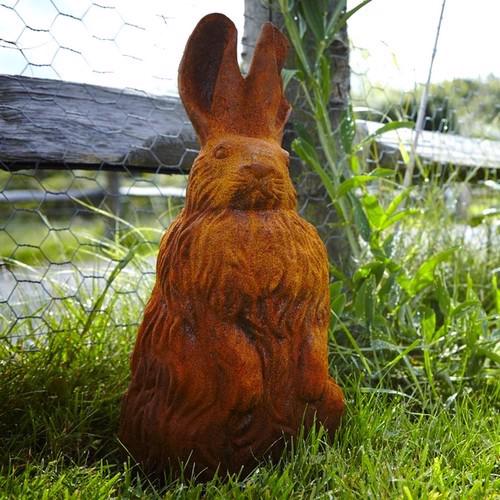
[[62, 125]]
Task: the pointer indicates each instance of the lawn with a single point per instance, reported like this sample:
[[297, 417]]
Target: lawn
[[59, 419], [40, 233]]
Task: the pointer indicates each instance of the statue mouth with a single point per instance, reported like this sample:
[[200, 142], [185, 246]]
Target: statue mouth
[[259, 194]]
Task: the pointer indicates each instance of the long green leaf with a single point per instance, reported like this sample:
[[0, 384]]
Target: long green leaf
[[360, 219], [308, 154], [287, 76], [382, 130], [387, 222], [295, 37], [355, 345], [373, 209], [354, 182], [403, 353], [360, 180], [347, 130], [100, 299], [314, 16], [425, 273], [331, 25], [349, 13], [396, 201]]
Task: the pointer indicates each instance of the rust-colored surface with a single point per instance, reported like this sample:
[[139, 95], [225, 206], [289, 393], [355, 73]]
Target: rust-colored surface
[[231, 355]]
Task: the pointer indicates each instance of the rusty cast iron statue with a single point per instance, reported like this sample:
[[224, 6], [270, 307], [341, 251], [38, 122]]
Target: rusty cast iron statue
[[231, 356]]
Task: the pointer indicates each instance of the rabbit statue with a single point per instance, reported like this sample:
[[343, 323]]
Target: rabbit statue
[[231, 356]]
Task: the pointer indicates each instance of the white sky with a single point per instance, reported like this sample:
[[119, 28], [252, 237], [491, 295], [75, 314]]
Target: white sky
[[138, 44], [119, 43], [398, 36]]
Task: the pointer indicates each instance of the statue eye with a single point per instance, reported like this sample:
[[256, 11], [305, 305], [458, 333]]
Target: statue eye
[[221, 152]]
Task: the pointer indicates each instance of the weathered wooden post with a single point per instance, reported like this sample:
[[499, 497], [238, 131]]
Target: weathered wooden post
[[114, 202], [313, 198], [231, 356]]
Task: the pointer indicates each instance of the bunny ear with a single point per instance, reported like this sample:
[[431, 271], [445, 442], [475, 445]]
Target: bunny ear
[[209, 75], [217, 98], [264, 77]]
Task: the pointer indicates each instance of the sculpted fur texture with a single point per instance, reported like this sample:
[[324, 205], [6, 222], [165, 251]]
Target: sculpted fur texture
[[231, 355]]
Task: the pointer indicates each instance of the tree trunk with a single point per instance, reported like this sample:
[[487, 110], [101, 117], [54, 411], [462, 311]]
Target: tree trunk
[[314, 203], [257, 12]]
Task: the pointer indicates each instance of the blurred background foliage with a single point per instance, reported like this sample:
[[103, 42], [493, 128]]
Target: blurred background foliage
[[460, 106]]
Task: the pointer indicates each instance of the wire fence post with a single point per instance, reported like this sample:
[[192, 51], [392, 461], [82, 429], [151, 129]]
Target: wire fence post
[[419, 125]]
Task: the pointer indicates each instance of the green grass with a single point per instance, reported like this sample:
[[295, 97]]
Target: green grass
[[35, 243], [58, 437], [38, 233], [27, 236]]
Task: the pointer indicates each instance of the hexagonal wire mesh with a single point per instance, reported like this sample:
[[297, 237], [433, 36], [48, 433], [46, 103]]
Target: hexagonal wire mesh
[[70, 234], [66, 231]]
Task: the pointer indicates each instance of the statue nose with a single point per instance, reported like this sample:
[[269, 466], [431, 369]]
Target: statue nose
[[259, 170]]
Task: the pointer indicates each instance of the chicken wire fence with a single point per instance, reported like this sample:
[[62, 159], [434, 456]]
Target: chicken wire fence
[[80, 228]]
